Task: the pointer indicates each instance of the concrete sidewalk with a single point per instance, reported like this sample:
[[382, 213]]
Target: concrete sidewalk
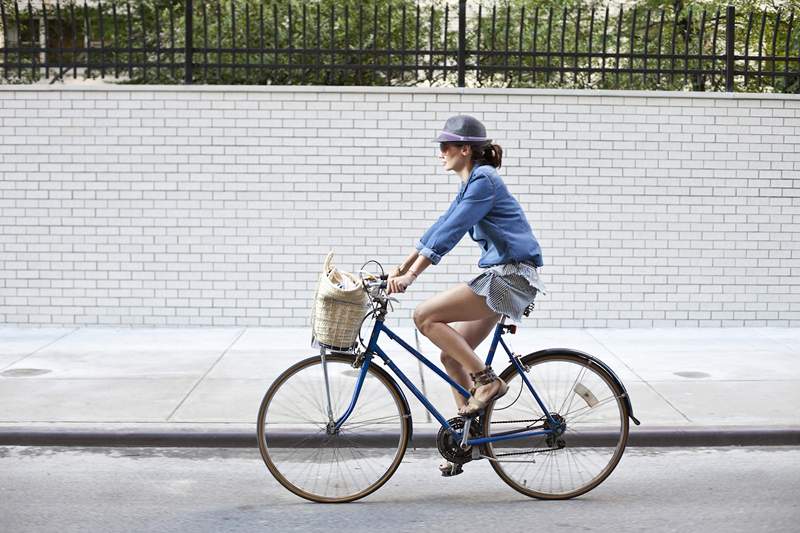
[[203, 386]]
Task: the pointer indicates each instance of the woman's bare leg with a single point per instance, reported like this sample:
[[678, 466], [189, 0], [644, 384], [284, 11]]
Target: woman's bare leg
[[474, 332], [458, 304]]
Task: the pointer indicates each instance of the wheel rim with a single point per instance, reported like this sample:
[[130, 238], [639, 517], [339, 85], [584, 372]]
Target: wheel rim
[[594, 412], [317, 465]]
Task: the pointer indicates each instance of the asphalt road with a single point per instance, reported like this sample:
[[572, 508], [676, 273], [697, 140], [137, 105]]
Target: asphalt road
[[170, 489]]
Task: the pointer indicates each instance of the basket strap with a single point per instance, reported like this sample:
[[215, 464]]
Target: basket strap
[[326, 267]]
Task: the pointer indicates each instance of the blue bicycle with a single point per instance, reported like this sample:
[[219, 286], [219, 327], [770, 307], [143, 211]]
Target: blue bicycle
[[334, 427]]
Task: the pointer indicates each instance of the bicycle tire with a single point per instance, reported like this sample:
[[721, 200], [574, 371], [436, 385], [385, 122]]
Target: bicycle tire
[[304, 458], [595, 436]]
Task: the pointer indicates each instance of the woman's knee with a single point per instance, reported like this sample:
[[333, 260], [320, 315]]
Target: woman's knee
[[422, 319]]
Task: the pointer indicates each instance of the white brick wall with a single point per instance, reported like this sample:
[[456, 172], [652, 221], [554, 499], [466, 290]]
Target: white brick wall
[[216, 205]]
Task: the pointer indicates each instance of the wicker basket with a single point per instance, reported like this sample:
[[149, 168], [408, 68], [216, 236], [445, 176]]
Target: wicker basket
[[337, 312]]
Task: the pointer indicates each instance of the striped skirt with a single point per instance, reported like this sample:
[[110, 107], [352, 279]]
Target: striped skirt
[[509, 289]]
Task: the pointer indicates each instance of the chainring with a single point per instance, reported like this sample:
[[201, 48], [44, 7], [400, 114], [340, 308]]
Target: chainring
[[450, 449]]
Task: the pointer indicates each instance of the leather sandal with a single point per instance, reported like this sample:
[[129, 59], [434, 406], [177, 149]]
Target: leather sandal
[[484, 377]]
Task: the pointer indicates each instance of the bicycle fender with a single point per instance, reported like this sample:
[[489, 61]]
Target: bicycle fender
[[590, 359]]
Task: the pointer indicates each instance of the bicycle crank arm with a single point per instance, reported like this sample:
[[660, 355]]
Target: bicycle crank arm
[[465, 433]]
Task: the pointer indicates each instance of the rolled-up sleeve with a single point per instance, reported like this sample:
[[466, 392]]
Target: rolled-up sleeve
[[477, 200]]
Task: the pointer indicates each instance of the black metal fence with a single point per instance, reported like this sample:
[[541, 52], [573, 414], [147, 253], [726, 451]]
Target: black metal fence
[[519, 43]]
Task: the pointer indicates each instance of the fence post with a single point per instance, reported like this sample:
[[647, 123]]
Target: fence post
[[730, 22], [189, 37], [462, 41]]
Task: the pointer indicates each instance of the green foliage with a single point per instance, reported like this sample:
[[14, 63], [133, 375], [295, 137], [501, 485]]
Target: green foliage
[[329, 42], [646, 44], [610, 48]]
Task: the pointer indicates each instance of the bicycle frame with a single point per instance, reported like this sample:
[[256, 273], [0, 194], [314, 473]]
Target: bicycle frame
[[374, 349]]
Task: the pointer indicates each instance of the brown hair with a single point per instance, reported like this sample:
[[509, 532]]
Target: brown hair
[[489, 154]]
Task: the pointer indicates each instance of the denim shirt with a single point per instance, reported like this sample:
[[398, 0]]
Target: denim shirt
[[494, 219]]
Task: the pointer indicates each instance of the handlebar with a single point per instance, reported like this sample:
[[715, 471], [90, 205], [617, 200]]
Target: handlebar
[[379, 283], [375, 287]]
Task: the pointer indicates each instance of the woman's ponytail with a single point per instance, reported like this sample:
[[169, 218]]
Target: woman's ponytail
[[491, 154]]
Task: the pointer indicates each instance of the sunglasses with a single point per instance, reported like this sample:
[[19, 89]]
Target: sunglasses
[[444, 146]]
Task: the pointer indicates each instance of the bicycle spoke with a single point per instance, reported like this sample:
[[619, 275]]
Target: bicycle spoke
[[580, 411], [569, 396], [362, 423], [582, 461], [342, 466], [310, 397]]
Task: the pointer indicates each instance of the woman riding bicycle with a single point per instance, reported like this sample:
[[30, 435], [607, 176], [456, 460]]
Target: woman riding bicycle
[[320, 416], [510, 255]]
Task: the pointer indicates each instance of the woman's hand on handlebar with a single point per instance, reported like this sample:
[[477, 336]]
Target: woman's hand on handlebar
[[400, 283]]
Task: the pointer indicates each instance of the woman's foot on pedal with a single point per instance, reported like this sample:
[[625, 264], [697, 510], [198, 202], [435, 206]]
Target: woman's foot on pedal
[[488, 387]]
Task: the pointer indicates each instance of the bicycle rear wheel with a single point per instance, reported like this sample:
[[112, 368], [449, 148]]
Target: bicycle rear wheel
[[581, 394], [344, 466]]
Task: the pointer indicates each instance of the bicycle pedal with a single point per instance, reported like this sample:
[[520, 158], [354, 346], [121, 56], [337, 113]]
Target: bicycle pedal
[[454, 470]]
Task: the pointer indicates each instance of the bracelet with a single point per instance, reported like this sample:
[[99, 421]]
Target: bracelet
[[413, 273]]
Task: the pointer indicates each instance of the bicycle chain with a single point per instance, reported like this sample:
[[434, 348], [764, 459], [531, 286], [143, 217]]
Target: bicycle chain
[[539, 450], [518, 421]]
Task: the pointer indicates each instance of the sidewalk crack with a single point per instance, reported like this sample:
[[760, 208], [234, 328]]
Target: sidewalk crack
[[781, 342], [206, 373], [601, 343], [39, 349]]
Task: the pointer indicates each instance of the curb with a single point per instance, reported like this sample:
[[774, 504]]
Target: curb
[[655, 437]]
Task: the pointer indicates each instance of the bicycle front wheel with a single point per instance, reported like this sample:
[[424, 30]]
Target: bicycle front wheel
[[578, 393], [324, 466]]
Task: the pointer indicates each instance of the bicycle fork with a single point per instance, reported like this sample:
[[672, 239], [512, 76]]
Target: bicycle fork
[[331, 422], [334, 425]]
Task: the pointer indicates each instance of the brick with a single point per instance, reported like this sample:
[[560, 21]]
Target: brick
[[649, 209]]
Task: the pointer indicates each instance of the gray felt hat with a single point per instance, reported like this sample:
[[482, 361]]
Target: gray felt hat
[[465, 129]]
